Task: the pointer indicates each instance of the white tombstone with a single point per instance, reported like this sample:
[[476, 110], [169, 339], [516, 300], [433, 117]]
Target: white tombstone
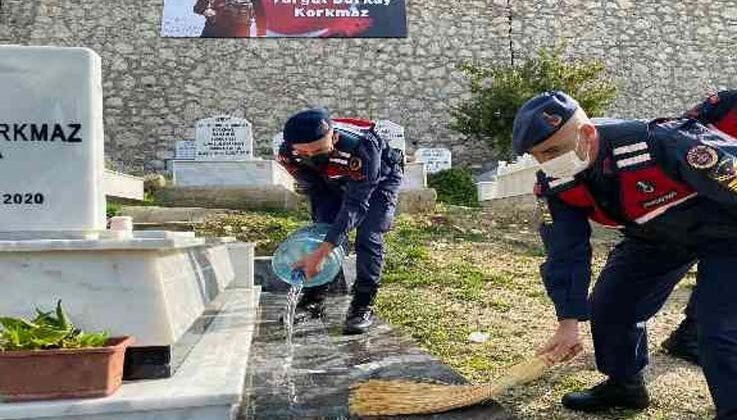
[[512, 179], [152, 285], [276, 143], [185, 150], [393, 133], [415, 176], [220, 160], [436, 159], [223, 138], [51, 140]]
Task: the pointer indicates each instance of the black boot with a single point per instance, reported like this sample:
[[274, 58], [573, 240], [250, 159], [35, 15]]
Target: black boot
[[683, 342], [360, 315], [311, 305], [630, 394]]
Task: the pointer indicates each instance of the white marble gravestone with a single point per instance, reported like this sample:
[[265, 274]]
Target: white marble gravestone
[[224, 158], [512, 179], [393, 133], [436, 159], [276, 143], [185, 150], [151, 285], [223, 138], [51, 140]]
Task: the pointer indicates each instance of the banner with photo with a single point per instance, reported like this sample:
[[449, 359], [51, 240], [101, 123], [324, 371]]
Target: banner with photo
[[284, 18]]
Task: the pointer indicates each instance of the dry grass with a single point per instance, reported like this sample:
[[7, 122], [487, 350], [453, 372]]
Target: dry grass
[[455, 273]]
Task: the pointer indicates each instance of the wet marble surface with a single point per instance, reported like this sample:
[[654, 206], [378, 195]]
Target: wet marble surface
[[313, 378]]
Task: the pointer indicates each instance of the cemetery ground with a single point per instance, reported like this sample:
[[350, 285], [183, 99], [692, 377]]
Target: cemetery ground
[[458, 271]]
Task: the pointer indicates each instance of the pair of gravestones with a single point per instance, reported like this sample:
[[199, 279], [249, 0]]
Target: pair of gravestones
[[222, 156]]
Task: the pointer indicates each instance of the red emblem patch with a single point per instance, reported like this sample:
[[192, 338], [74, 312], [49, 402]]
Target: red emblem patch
[[553, 119], [702, 157], [355, 164]]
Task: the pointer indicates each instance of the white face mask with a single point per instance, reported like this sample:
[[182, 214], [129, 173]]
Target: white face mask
[[566, 165]]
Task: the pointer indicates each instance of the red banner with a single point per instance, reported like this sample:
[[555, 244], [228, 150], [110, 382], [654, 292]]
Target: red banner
[[285, 18]]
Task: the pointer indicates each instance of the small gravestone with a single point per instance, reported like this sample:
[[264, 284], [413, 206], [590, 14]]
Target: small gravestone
[[435, 159], [185, 150], [223, 138], [276, 143], [224, 158], [51, 140], [393, 133]]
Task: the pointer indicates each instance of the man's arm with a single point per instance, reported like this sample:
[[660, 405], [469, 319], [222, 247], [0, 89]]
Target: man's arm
[[359, 190], [715, 108], [701, 158], [566, 272]]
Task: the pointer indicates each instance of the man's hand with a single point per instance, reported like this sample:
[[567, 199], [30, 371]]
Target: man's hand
[[312, 263], [564, 345]]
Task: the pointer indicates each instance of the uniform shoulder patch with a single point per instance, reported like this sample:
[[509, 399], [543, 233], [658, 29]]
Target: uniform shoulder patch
[[702, 157], [355, 164]]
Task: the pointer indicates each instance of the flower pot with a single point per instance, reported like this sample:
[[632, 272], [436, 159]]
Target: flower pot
[[63, 373]]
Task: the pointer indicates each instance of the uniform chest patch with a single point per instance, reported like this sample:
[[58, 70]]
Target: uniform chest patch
[[355, 164], [702, 157], [345, 166], [646, 187]]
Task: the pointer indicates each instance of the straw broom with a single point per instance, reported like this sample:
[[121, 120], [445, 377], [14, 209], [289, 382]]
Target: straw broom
[[380, 397]]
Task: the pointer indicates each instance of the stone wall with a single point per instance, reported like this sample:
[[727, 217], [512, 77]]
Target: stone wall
[[664, 55]]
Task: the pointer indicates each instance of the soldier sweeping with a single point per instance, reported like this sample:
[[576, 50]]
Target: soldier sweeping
[[671, 187]]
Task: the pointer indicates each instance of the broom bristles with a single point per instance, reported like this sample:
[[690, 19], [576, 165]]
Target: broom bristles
[[379, 397]]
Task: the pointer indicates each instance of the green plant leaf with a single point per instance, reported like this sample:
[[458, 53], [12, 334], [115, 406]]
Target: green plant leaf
[[62, 317], [93, 339], [16, 323], [50, 330], [454, 186], [499, 90], [44, 318]]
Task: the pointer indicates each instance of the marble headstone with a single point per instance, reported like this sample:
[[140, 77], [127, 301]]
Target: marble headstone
[[276, 143], [51, 140], [223, 138], [185, 150], [393, 133], [435, 159]]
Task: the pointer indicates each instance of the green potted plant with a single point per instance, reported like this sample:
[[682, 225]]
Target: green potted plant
[[48, 358]]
